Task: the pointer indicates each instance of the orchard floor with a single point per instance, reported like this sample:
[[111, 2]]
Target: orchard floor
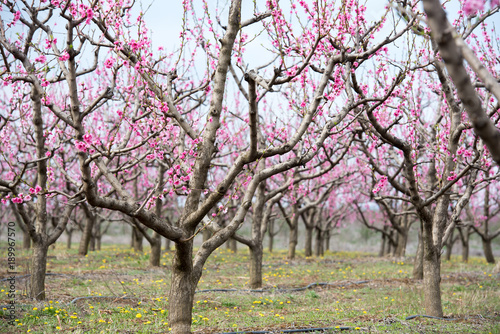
[[114, 291]]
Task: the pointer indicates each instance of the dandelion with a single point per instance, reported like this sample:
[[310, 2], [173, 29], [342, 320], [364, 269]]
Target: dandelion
[[138, 315]]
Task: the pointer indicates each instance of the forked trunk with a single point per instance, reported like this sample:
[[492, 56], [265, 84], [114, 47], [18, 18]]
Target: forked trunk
[[256, 253], [38, 270]]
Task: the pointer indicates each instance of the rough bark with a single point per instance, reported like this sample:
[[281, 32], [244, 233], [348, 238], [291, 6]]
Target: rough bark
[[155, 256], [432, 274], [182, 289], [308, 241], [83, 248], [418, 264], [488, 252], [38, 270]]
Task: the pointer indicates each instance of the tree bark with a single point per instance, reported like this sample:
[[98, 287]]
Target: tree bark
[[154, 259], [232, 245], [182, 289], [271, 235], [488, 252], [432, 274], [137, 239], [26, 240], [83, 249], [418, 264], [308, 243], [292, 243], [319, 250], [464, 237], [38, 270], [68, 240], [381, 252], [256, 253]]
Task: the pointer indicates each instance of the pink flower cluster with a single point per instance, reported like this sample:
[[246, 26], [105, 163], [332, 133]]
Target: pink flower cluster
[[471, 7], [380, 185]]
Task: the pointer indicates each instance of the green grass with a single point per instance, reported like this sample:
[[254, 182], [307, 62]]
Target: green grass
[[139, 304]]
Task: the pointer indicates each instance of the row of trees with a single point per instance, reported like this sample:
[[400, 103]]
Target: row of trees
[[306, 110]]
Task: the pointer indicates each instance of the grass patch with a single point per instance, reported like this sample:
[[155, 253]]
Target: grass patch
[[120, 294]]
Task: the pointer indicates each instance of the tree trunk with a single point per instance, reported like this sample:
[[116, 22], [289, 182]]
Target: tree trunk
[[418, 264], [68, 240], [38, 270], [98, 242], [488, 252], [464, 237], [308, 245], [154, 259], [206, 234], [256, 253], [182, 289], [232, 245], [402, 241], [327, 240], [167, 245], [292, 243], [83, 249], [318, 250], [26, 240], [381, 252], [432, 274], [449, 245], [271, 235], [388, 245], [137, 239]]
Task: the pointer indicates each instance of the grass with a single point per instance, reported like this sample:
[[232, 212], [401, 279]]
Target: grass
[[367, 293]]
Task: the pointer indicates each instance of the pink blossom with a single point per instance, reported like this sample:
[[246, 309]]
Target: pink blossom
[[472, 6], [108, 63], [17, 200], [64, 56], [88, 138], [41, 59], [81, 146]]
